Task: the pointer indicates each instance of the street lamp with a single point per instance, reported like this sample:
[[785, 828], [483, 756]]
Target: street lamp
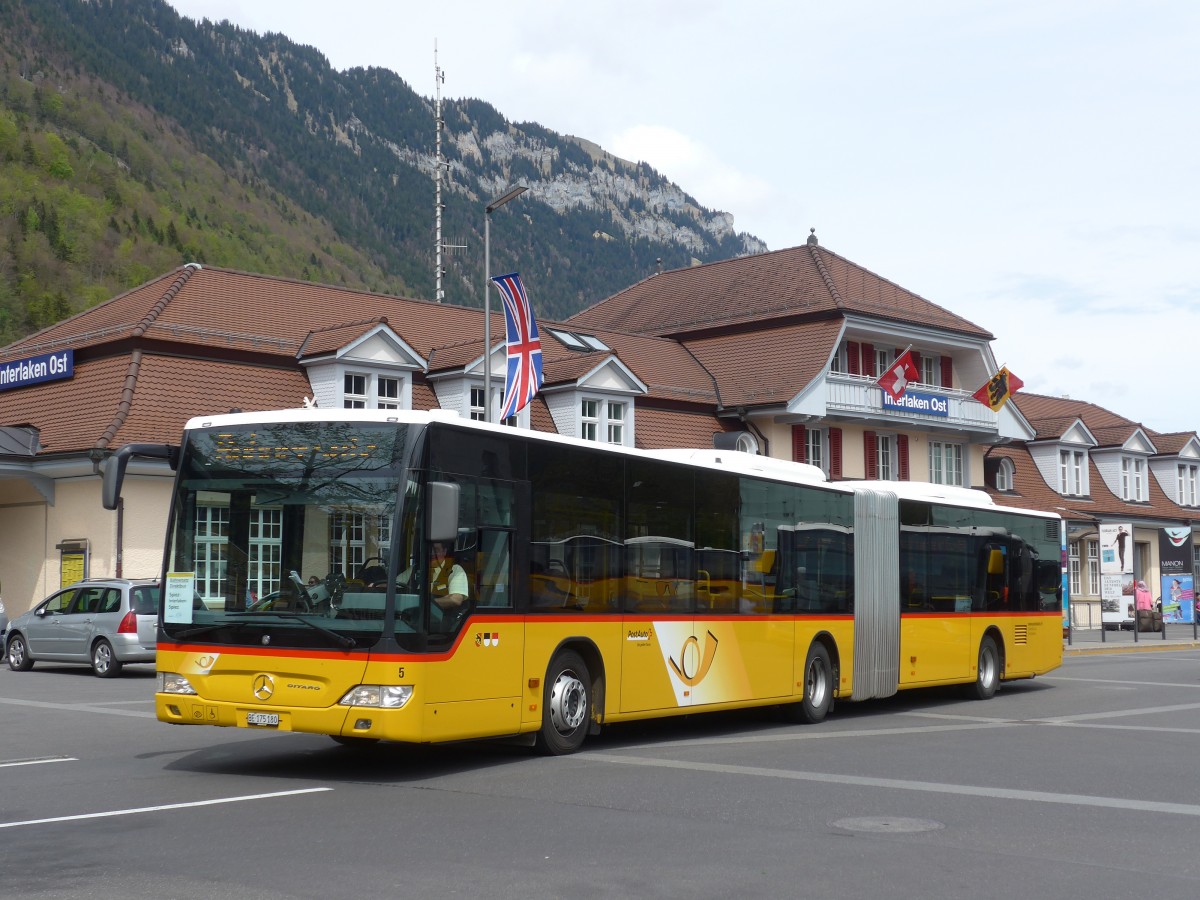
[[511, 194]]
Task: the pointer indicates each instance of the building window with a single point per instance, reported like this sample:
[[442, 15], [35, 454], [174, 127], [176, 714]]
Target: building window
[[603, 420], [885, 469], [1071, 472], [814, 448], [1076, 585], [478, 412], [1093, 568], [589, 419], [347, 543], [929, 369], [616, 422], [1004, 475], [1133, 478], [838, 363], [945, 463], [354, 391], [389, 393], [1189, 476], [882, 359]]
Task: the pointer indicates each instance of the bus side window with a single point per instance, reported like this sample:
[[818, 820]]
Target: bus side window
[[493, 568]]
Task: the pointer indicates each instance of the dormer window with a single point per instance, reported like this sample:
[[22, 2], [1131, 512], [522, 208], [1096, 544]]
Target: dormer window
[[1071, 465], [354, 391], [1189, 479], [389, 393], [1004, 475], [1133, 479]]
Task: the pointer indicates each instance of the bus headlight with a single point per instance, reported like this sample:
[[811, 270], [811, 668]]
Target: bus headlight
[[170, 683], [386, 696]]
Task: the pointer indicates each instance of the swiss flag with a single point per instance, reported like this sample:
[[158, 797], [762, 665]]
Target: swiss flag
[[899, 375]]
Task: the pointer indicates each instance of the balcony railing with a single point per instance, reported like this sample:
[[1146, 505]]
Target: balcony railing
[[857, 395]]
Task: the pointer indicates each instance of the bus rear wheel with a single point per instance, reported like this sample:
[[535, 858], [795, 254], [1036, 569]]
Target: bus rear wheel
[[987, 673], [566, 705], [818, 687]]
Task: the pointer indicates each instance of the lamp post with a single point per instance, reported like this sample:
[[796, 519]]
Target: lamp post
[[511, 194]]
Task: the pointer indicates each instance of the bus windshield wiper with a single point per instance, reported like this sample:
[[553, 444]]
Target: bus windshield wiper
[[205, 629], [341, 639]]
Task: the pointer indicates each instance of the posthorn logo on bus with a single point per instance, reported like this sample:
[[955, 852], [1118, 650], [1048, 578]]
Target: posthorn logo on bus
[[693, 664]]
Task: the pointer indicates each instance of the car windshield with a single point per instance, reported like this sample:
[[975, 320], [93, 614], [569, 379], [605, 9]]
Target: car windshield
[[282, 533]]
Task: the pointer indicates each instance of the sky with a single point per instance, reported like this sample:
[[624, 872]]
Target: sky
[[1031, 165]]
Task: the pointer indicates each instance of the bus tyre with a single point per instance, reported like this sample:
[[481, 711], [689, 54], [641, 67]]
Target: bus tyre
[[104, 662], [818, 685], [566, 705], [987, 673], [19, 659]]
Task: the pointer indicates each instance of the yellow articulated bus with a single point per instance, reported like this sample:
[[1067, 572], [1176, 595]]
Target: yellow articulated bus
[[403, 576]]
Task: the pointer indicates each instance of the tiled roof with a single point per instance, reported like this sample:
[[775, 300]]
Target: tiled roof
[[1171, 444], [1055, 411], [659, 429], [768, 367], [1032, 492], [807, 280]]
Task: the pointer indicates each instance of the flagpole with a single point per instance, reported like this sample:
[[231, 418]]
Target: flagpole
[[511, 194]]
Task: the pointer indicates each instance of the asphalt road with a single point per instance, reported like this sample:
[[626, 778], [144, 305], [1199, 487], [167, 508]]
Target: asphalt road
[[1082, 784]]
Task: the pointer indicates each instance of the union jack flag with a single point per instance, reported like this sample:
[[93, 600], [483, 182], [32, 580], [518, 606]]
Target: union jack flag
[[524, 373]]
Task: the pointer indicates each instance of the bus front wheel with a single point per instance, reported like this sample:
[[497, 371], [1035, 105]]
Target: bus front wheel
[[818, 686], [987, 673], [566, 705]]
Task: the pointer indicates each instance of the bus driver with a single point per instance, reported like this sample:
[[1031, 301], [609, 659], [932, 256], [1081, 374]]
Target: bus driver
[[447, 580]]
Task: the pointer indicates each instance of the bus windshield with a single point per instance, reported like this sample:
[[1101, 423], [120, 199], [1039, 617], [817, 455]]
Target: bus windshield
[[283, 533]]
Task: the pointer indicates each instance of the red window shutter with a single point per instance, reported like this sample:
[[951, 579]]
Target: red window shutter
[[916, 358], [835, 454], [871, 454], [868, 360], [902, 453], [947, 372], [853, 361], [799, 445]]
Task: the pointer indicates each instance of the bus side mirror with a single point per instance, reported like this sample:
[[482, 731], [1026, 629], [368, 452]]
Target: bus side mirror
[[114, 468], [442, 521]]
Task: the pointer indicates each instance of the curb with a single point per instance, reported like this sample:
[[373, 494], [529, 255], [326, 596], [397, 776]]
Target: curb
[[1153, 646]]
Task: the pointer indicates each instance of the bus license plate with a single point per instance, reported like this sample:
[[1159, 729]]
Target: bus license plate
[[266, 720]]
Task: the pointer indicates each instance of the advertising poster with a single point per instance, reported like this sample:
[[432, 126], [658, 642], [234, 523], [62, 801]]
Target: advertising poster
[[1175, 564], [1116, 549]]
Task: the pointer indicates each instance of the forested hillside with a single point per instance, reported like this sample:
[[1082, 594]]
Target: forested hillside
[[132, 140]]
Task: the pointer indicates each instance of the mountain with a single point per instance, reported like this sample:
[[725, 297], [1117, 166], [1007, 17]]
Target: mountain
[[133, 139]]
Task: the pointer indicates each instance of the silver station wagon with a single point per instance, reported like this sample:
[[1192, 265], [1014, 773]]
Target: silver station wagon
[[104, 623]]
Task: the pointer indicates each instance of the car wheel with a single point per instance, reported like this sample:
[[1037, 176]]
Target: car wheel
[[19, 659], [104, 663]]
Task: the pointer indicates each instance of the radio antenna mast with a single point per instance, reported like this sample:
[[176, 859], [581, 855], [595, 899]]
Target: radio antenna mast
[[439, 166]]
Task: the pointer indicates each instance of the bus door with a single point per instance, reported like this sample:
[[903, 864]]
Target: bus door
[[659, 652], [475, 688]]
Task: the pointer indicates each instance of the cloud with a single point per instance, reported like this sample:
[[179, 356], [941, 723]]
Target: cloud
[[692, 165]]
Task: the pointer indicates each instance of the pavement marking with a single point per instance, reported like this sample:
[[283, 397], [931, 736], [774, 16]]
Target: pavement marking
[[77, 707], [37, 762], [169, 806], [930, 787], [807, 735], [1125, 681], [1114, 714]]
